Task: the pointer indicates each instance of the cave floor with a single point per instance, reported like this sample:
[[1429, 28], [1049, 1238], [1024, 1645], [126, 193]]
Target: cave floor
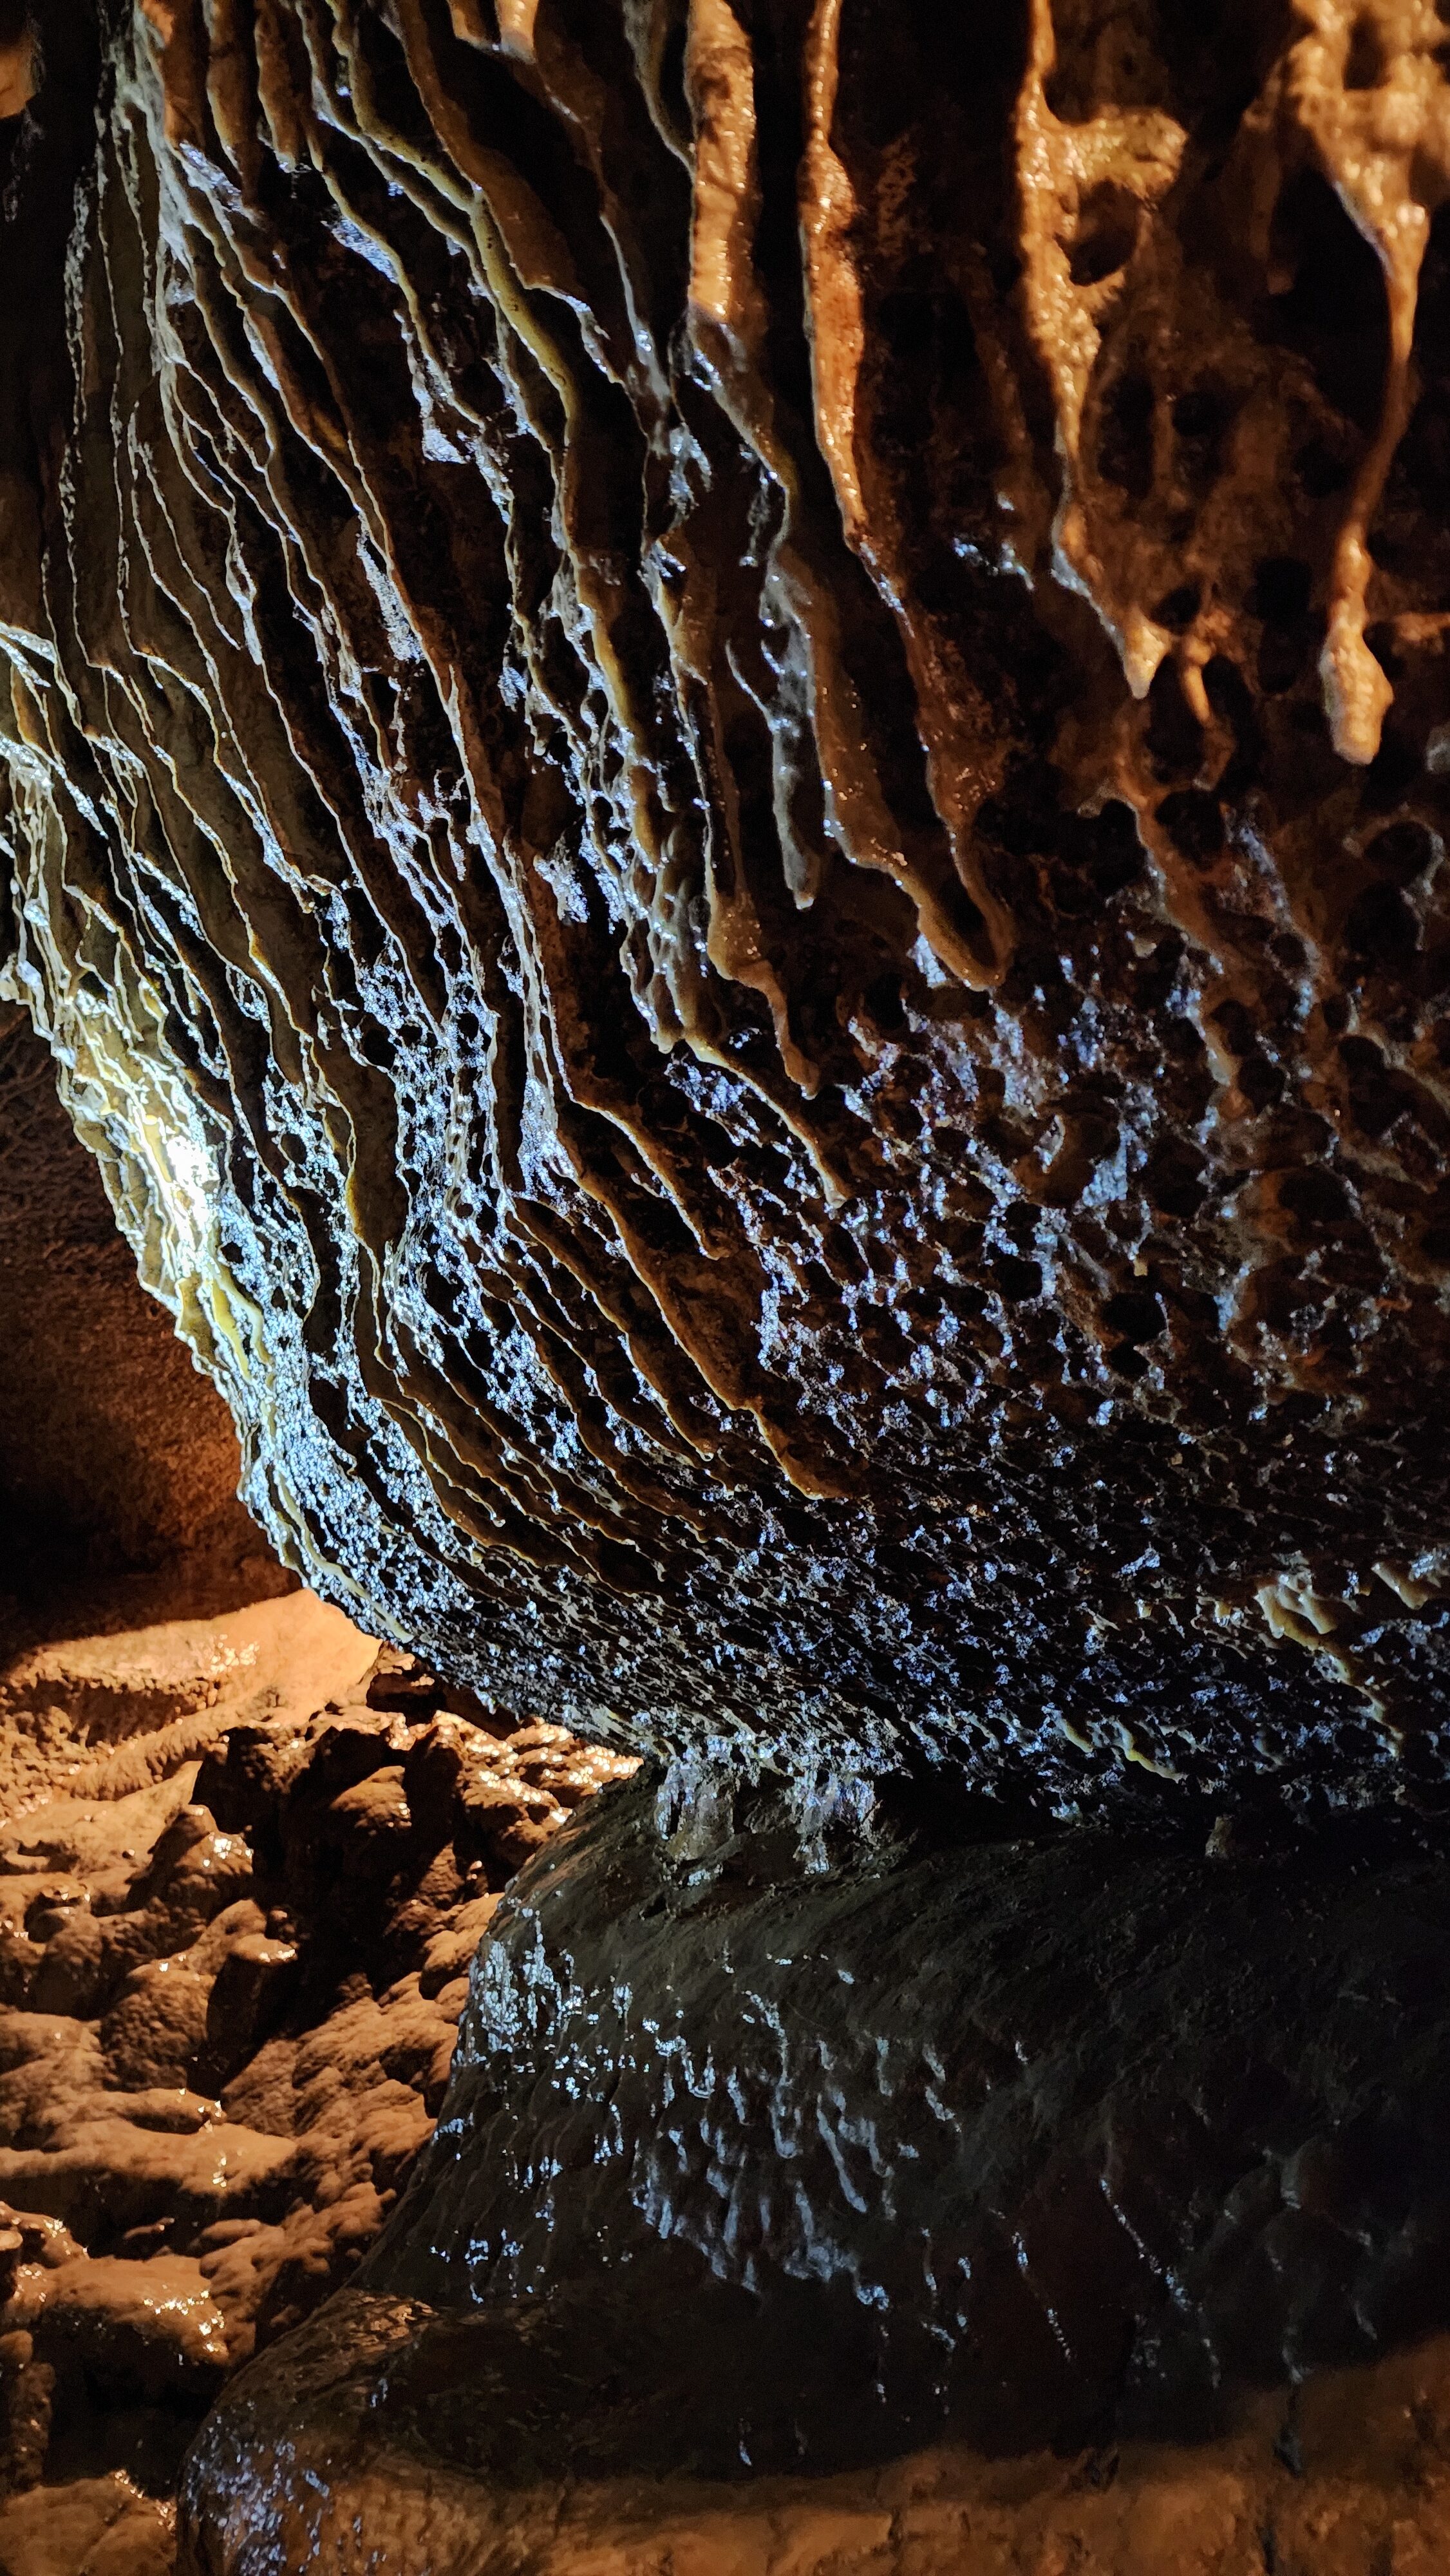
[[245, 1862], [223, 2037]]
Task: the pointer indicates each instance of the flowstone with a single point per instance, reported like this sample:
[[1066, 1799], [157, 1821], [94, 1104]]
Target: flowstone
[[898, 2209]]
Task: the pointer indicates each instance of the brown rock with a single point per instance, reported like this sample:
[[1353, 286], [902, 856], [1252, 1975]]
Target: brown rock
[[306, 1964], [155, 2031], [249, 1991], [501, 1823], [438, 1762]]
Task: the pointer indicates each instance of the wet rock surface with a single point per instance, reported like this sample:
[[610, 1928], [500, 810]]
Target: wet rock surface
[[1036, 2136], [750, 2183], [726, 791], [228, 1992], [1352, 2476]]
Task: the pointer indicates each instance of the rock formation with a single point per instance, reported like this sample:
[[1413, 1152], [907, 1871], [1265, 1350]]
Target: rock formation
[[737, 859], [228, 1992], [726, 768]]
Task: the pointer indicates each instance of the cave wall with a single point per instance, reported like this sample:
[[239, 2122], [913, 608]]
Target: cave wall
[[725, 789], [118, 1461]]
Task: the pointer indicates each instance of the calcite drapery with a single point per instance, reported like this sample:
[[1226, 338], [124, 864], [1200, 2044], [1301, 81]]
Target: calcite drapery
[[673, 797]]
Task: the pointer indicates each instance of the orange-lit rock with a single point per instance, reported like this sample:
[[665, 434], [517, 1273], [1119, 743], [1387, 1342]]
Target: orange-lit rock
[[117, 1459], [225, 2027]]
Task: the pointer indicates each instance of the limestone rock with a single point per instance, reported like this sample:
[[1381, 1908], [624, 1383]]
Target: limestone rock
[[726, 788], [1067, 2204], [1357, 2479], [724, 756], [222, 2041]]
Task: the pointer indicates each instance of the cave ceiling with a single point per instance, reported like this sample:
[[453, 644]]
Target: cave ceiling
[[726, 758]]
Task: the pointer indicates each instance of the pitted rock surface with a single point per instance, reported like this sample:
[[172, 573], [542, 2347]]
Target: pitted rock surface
[[724, 755], [726, 781]]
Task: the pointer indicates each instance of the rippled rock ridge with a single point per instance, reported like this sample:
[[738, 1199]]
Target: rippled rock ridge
[[726, 764]]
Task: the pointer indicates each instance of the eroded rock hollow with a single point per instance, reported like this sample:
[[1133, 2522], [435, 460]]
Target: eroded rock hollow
[[727, 753]]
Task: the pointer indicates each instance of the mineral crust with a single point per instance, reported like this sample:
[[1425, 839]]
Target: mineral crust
[[724, 773], [727, 750]]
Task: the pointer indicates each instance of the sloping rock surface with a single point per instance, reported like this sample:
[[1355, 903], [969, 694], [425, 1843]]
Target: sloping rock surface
[[1355, 2476], [1110, 2176], [117, 1459], [1029, 2136]]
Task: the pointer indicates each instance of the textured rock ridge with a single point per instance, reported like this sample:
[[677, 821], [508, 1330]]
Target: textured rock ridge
[[726, 780], [725, 762]]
